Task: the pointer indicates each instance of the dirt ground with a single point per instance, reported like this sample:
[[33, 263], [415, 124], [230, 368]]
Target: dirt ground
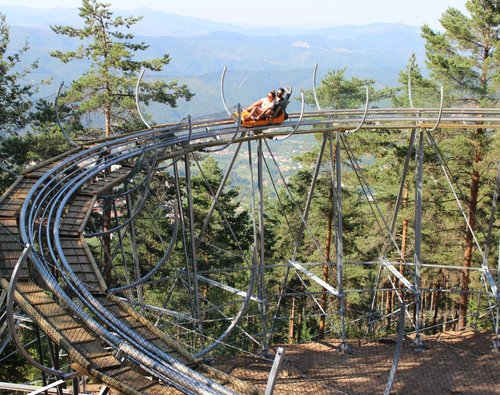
[[452, 363]]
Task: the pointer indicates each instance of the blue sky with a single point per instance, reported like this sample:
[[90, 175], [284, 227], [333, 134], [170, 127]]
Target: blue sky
[[321, 13]]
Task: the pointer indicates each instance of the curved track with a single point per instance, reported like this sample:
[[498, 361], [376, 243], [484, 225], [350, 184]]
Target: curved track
[[68, 291]]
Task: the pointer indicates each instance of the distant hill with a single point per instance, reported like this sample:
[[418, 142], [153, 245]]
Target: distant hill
[[200, 49], [154, 22]]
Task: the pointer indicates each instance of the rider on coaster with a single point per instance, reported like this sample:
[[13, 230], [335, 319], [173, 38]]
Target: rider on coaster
[[262, 108]]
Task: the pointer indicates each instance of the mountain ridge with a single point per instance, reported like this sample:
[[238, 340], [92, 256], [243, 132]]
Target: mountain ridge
[[255, 62], [153, 22]]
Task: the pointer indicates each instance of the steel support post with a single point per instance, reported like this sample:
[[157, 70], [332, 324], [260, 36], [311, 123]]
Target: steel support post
[[261, 284], [496, 342], [397, 205], [418, 237], [184, 238], [122, 251], [397, 353], [310, 195], [40, 353], [192, 244], [255, 240], [302, 226], [339, 245], [53, 350], [135, 257], [496, 316], [75, 385]]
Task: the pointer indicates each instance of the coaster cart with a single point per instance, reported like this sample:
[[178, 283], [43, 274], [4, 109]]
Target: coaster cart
[[278, 117], [260, 125]]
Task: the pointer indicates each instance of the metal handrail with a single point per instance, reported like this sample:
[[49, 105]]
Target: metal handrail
[[65, 191], [79, 289], [314, 87], [298, 123], [222, 91], [137, 98], [440, 111], [235, 135], [364, 114]]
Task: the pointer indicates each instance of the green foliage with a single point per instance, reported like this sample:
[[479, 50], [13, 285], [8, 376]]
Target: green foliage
[[337, 92], [361, 235], [14, 95], [43, 141], [15, 367], [424, 92], [205, 184], [108, 86], [465, 56]]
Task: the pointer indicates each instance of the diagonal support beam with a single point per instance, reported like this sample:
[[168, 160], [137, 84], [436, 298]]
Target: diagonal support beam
[[226, 288], [388, 265], [275, 370], [491, 281], [315, 278]]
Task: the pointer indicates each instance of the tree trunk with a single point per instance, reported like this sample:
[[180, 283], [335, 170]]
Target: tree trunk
[[469, 240], [474, 192], [291, 326], [300, 321], [388, 307], [107, 116], [435, 299], [446, 281]]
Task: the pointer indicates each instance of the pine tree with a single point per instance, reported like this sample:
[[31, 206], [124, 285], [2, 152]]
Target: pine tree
[[14, 95], [465, 59], [107, 87], [338, 92]]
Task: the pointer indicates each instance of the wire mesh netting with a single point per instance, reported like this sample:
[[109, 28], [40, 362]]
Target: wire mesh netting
[[451, 363]]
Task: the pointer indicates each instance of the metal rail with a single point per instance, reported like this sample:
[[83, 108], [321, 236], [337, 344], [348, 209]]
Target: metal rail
[[44, 207]]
